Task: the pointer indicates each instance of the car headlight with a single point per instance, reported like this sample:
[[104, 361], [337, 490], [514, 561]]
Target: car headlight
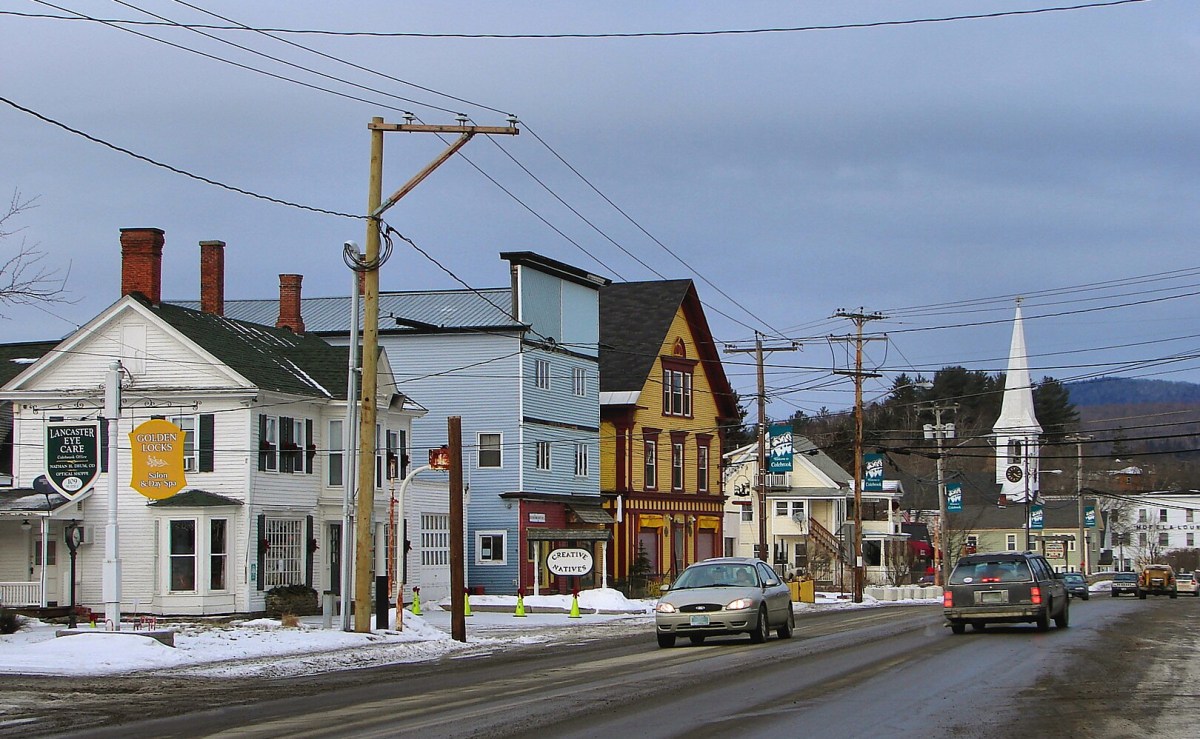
[[740, 604], [665, 608]]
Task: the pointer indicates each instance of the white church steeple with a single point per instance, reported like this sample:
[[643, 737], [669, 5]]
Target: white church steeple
[[1017, 431]]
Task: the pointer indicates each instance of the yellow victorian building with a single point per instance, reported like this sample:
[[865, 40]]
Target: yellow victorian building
[[664, 404]]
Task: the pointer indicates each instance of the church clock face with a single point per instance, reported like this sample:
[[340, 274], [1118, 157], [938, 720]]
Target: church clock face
[[1013, 473]]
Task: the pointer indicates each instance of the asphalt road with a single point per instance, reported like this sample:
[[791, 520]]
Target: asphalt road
[[1123, 668]]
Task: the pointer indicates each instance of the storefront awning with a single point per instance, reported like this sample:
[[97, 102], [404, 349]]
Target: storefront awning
[[543, 534], [591, 514]]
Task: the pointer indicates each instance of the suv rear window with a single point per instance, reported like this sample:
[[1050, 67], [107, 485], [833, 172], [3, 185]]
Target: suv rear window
[[967, 573], [1126, 577], [1184, 576]]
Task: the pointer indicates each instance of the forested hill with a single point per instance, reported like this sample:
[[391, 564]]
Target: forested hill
[[1127, 391]]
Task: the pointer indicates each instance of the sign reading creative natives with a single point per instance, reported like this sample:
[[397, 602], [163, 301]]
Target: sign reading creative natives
[[1037, 517], [157, 451], [873, 473], [780, 440], [1089, 516], [72, 456], [569, 562], [954, 503]]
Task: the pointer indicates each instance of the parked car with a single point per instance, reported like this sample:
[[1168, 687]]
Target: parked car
[[1185, 582], [1157, 580], [724, 595], [1004, 587], [1124, 582], [1077, 585]]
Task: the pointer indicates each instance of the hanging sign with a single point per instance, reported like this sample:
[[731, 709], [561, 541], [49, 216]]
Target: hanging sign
[[954, 501], [1037, 517], [157, 453], [439, 458], [1089, 516], [780, 441], [873, 473], [72, 456], [569, 562]]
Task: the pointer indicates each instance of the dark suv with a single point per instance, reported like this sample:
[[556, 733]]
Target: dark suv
[[1004, 587], [1125, 582]]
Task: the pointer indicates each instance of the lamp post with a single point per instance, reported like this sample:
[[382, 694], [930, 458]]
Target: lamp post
[[1085, 554], [941, 431]]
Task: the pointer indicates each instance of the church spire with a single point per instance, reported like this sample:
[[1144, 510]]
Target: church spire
[[1017, 431]]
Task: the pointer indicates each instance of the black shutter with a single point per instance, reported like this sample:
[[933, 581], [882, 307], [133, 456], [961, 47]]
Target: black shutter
[[287, 459], [207, 460], [104, 445], [310, 446], [310, 545], [262, 551], [262, 442]]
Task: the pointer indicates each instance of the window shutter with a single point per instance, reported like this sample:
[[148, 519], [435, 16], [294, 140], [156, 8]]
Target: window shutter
[[310, 546], [262, 550], [310, 446], [104, 445], [287, 459], [207, 461], [262, 438]]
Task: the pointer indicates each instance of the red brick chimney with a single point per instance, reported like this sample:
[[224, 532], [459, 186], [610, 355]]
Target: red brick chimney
[[289, 303], [212, 277], [141, 262]]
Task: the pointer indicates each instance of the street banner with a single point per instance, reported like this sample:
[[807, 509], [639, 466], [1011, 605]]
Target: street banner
[[1037, 517], [780, 446], [157, 454], [1089, 516], [954, 501], [72, 456], [873, 473]]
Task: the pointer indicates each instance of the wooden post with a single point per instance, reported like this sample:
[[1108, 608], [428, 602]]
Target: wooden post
[[458, 586]]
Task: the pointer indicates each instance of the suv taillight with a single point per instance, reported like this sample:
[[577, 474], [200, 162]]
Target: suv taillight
[[1035, 594], [947, 599]]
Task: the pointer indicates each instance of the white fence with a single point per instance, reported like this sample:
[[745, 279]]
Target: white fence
[[20, 593]]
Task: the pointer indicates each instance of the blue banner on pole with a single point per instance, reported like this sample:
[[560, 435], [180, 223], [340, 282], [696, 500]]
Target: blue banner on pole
[[873, 473], [954, 502], [780, 447], [1089, 516], [1037, 517]]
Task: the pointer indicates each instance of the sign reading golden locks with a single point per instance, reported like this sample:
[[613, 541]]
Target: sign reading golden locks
[[157, 447]]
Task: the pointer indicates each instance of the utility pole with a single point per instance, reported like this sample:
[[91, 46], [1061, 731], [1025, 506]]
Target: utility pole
[[458, 580], [941, 432], [859, 320], [370, 342], [1085, 553], [763, 552]]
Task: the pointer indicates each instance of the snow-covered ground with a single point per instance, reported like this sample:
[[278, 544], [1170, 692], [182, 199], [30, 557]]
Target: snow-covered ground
[[266, 647]]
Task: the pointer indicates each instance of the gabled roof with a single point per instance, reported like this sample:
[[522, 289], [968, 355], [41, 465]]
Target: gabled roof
[[270, 358], [634, 320], [14, 358]]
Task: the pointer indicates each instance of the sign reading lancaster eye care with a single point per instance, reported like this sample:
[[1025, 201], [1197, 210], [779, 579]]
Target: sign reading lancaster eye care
[[569, 562], [157, 447], [72, 456]]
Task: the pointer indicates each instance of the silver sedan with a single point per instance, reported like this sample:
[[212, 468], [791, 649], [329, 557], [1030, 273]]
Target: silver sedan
[[726, 595]]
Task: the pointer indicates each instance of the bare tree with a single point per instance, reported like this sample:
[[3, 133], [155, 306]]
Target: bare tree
[[24, 279]]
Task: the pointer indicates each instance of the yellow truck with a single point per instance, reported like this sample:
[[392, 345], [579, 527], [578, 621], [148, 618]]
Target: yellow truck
[[1157, 580]]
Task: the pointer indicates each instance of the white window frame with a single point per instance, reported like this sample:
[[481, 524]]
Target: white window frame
[[217, 559], [702, 468], [579, 382], [1164, 539], [284, 560], [581, 460], [1011, 542], [189, 425], [747, 513], [435, 539], [194, 556], [650, 464], [543, 457], [492, 561], [499, 450], [541, 374], [677, 393], [678, 478], [271, 437], [337, 445]]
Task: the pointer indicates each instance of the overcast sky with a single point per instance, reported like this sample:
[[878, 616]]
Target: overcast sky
[[929, 171]]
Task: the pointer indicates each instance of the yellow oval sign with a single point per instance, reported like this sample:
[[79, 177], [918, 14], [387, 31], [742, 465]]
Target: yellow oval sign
[[157, 447]]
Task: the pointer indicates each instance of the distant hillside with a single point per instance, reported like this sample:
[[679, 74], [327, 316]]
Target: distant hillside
[[1126, 391]]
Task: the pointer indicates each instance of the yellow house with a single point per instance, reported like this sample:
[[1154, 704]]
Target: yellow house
[[664, 404]]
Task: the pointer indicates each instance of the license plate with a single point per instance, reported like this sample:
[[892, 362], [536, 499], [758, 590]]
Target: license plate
[[993, 596], [699, 620]]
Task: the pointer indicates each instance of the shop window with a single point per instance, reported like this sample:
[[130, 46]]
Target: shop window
[[182, 545], [489, 547]]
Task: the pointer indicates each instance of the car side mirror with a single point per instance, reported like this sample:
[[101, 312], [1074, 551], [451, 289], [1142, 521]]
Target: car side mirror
[[664, 587]]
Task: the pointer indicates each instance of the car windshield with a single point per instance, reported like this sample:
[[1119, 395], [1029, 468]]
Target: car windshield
[[1125, 577], [717, 576], [1073, 577], [990, 571]]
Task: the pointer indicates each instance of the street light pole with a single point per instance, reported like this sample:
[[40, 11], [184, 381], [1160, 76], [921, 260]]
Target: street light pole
[[940, 433], [1085, 553]]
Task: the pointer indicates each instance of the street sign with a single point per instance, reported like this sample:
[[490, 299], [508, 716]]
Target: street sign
[[873, 473], [569, 562], [439, 458], [954, 500], [157, 455], [1055, 550], [72, 456], [780, 443], [1037, 517]]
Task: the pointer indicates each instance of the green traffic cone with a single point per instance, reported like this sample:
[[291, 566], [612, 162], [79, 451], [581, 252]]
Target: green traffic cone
[[467, 603], [574, 606], [416, 606], [520, 607]]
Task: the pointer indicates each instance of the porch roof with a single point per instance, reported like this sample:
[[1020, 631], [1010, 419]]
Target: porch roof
[[545, 534], [25, 501]]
